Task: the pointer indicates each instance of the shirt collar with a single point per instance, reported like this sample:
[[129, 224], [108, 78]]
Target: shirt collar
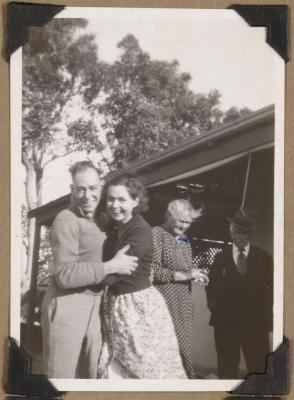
[[75, 208], [245, 250]]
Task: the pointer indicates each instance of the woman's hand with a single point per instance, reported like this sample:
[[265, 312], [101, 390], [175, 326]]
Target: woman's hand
[[192, 275], [200, 277], [180, 276]]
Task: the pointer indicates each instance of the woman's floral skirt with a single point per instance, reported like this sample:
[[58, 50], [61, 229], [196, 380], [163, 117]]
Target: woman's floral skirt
[[139, 337]]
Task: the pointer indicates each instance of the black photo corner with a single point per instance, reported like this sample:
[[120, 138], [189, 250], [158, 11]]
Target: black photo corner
[[274, 18], [20, 380], [19, 17], [275, 381]]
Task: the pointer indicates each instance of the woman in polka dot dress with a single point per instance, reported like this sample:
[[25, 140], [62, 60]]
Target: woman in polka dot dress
[[174, 270]]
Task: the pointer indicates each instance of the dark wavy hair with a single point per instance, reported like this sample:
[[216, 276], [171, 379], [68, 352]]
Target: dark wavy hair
[[135, 188]]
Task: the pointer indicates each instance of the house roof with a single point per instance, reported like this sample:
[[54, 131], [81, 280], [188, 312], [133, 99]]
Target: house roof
[[262, 117], [247, 134]]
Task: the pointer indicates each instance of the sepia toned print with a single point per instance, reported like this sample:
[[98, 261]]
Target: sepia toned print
[[102, 97]]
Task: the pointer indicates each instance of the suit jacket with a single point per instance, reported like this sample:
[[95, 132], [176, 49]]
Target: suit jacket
[[241, 301]]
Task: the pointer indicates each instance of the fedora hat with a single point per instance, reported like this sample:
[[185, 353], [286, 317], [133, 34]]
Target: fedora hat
[[242, 220]]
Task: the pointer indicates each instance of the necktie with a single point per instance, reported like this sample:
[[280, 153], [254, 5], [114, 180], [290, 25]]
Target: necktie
[[241, 262]]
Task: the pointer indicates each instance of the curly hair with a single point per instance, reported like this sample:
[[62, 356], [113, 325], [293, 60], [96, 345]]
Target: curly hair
[[180, 207], [135, 188]]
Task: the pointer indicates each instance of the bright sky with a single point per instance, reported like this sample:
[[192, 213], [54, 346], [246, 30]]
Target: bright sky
[[217, 47]]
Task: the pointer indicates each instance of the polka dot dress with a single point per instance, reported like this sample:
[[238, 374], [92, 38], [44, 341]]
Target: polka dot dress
[[172, 255]]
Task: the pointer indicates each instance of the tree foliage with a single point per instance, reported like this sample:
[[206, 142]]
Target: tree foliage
[[234, 113], [59, 66], [149, 106]]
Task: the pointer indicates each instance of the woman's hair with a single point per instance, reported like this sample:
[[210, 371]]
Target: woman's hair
[[135, 188], [182, 207]]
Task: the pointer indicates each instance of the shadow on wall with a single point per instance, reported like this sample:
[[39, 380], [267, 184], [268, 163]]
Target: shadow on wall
[[203, 348]]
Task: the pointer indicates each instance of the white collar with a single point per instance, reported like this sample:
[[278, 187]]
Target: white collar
[[83, 214]]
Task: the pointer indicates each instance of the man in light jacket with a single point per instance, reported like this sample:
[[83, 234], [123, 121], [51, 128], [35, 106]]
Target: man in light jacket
[[71, 325]]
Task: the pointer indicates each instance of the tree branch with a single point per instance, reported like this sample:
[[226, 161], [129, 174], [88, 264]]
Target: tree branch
[[55, 158]]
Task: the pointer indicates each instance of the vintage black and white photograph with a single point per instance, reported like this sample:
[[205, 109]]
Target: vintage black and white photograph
[[147, 199]]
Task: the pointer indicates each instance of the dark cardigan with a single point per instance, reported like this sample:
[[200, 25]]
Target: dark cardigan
[[137, 233]]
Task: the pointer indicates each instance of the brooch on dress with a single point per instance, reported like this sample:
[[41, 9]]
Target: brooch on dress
[[182, 239]]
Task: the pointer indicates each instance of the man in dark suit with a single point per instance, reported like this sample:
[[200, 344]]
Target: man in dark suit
[[240, 298]]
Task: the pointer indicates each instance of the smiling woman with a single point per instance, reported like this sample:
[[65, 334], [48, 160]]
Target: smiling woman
[[120, 204], [136, 319]]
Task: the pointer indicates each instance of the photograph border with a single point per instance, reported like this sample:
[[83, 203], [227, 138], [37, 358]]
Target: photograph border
[[140, 385], [278, 175]]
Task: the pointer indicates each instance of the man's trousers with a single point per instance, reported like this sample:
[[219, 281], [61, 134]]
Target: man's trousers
[[71, 329], [229, 341]]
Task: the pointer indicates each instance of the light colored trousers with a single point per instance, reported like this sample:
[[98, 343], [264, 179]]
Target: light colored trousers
[[71, 329]]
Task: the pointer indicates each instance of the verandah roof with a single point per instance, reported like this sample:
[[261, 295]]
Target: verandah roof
[[218, 147]]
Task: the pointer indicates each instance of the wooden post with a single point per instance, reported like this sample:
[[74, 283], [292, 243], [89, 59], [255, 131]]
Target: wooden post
[[246, 180], [33, 285]]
